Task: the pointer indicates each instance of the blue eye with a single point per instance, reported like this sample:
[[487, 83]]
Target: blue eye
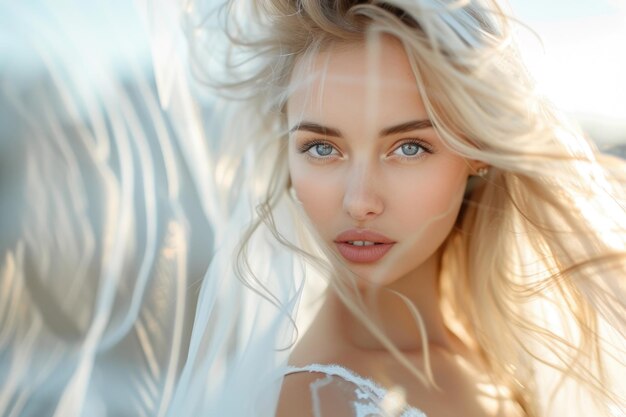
[[319, 149], [412, 149], [323, 149]]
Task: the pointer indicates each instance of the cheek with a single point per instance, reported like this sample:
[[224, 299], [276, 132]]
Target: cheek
[[424, 210], [320, 195], [426, 206], [434, 194]]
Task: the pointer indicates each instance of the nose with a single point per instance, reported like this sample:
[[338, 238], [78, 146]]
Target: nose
[[362, 200]]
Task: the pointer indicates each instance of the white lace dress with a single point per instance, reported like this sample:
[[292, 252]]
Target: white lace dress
[[368, 400]]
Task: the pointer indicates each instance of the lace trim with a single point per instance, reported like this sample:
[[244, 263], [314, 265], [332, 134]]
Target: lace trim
[[370, 396]]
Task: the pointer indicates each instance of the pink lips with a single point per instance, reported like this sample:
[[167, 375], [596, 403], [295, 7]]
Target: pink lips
[[362, 254]]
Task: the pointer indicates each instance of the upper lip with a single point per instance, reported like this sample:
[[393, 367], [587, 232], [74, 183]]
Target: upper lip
[[362, 234]]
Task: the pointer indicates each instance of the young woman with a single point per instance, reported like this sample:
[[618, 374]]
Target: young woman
[[471, 238]]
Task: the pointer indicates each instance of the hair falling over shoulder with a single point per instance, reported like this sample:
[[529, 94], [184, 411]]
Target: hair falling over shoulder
[[535, 273]]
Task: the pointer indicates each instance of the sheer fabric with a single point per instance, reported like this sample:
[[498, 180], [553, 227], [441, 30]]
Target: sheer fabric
[[364, 397], [111, 213], [106, 212]]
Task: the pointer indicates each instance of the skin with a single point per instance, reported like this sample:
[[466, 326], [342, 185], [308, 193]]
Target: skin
[[405, 185]]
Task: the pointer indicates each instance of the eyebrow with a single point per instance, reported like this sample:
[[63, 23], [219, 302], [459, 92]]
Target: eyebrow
[[316, 128], [329, 131], [406, 127]]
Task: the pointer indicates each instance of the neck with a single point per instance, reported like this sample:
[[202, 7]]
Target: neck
[[392, 315]]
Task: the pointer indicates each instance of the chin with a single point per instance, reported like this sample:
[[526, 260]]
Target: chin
[[369, 276]]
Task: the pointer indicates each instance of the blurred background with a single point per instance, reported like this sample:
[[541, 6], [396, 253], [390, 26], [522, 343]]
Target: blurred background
[[579, 60]]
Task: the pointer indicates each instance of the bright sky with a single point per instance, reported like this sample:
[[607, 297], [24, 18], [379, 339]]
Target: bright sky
[[583, 65]]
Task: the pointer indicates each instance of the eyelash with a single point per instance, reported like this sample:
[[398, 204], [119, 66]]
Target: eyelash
[[307, 146]]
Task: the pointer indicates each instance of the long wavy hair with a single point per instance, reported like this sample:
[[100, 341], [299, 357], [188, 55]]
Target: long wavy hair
[[533, 276]]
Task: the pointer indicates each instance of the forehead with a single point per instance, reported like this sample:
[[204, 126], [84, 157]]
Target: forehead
[[356, 81]]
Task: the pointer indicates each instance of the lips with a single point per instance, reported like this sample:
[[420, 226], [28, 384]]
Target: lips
[[362, 246]]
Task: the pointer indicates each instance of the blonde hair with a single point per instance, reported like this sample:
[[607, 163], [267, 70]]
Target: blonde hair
[[535, 269]]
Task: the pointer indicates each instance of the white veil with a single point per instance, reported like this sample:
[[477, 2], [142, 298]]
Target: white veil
[[110, 212]]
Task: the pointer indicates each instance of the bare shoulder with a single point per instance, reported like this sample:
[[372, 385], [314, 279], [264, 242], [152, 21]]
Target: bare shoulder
[[294, 397], [310, 394]]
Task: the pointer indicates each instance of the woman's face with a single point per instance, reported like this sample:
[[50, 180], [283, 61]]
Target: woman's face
[[372, 174]]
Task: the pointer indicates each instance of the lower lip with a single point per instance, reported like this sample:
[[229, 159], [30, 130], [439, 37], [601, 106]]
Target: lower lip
[[363, 254]]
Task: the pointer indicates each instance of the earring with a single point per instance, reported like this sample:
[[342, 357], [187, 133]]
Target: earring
[[482, 172]]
